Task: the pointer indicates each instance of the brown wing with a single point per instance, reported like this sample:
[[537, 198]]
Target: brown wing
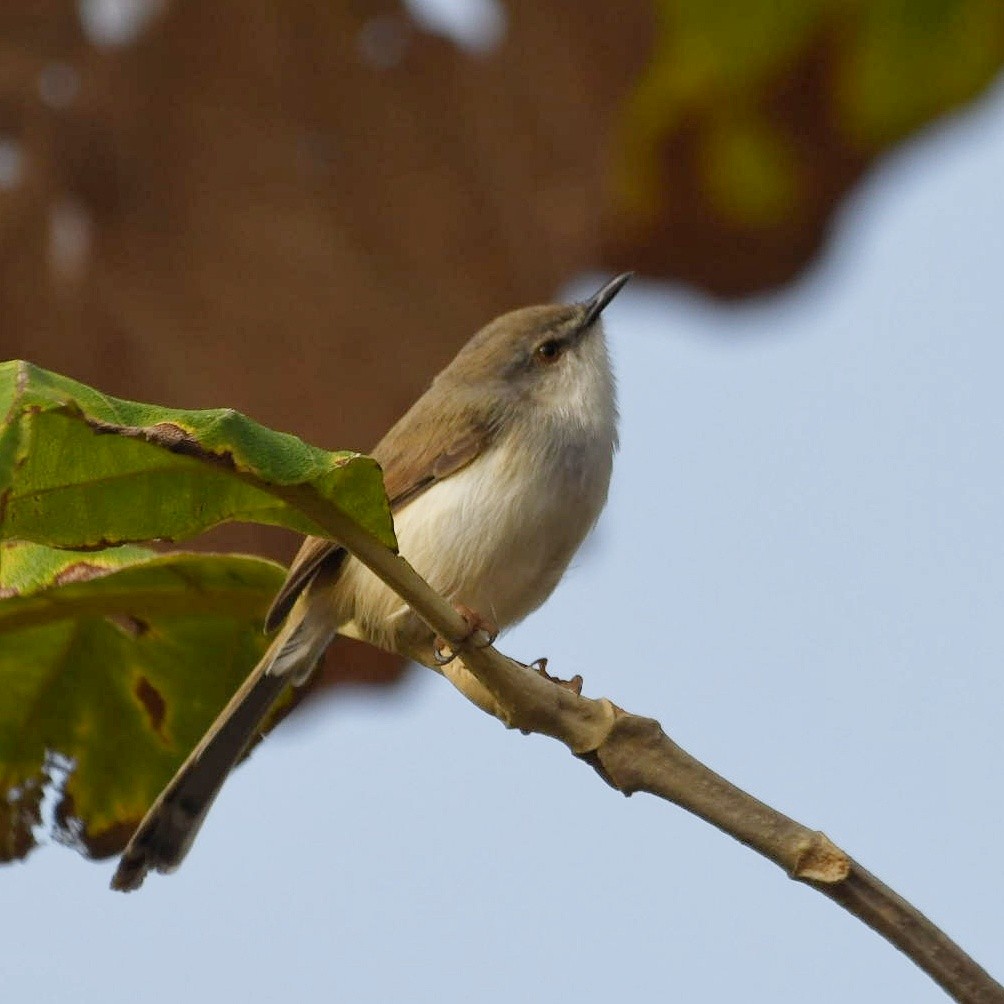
[[407, 473], [314, 552]]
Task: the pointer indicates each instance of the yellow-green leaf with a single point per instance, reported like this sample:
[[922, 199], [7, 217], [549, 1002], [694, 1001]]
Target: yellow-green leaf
[[112, 665], [752, 118]]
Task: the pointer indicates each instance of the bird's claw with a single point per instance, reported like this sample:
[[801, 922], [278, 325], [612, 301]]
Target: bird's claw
[[481, 632]]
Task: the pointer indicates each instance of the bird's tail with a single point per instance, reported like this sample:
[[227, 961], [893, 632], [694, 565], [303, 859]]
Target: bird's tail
[[167, 830]]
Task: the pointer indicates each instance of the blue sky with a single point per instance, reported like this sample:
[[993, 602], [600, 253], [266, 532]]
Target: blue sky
[[799, 574]]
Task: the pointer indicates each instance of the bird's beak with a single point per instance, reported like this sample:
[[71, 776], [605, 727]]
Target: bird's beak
[[595, 304]]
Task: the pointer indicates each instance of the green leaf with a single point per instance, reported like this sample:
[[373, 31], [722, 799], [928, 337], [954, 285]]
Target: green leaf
[[80, 469], [112, 665], [114, 660]]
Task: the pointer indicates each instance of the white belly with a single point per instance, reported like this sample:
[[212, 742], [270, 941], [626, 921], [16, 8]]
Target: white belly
[[493, 541]]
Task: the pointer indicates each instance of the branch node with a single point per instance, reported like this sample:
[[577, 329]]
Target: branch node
[[820, 860], [593, 759], [574, 684], [598, 719]]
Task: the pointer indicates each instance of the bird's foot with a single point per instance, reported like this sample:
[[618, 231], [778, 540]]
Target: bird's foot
[[481, 632], [574, 684]]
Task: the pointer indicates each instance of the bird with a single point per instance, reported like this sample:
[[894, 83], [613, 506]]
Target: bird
[[495, 476]]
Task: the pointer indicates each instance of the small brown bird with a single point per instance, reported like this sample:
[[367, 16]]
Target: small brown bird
[[495, 476]]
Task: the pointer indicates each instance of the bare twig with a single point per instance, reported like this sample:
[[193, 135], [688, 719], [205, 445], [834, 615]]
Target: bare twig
[[633, 754]]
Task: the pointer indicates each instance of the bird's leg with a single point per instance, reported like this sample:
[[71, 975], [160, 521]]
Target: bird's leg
[[481, 632]]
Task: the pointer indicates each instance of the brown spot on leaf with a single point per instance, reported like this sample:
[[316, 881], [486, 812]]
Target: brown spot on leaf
[[167, 436], [79, 571], [153, 703], [132, 626]]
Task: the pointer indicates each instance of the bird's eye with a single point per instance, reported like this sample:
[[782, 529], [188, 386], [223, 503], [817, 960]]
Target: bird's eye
[[548, 352]]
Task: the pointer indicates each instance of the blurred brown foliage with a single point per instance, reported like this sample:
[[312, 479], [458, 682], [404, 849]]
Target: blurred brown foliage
[[301, 210]]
